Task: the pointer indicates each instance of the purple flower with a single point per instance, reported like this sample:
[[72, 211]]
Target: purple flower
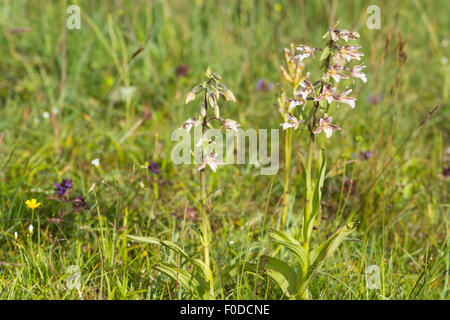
[[181, 70], [349, 186], [375, 99], [365, 154], [63, 189], [154, 168], [446, 171], [263, 85]]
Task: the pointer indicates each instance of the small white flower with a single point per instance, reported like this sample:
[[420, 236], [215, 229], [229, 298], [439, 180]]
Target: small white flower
[[96, 162], [46, 115], [15, 235], [30, 228]]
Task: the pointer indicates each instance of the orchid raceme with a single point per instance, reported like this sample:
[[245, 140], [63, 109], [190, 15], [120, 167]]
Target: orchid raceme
[[212, 91], [317, 99], [301, 90]]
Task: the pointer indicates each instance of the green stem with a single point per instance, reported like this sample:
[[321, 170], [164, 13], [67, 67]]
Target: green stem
[[309, 194], [288, 156], [303, 287], [205, 220]]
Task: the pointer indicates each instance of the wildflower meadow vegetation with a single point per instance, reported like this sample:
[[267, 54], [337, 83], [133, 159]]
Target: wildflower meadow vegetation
[[136, 139]]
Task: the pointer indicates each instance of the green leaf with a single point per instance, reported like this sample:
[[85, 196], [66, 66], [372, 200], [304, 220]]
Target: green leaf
[[208, 72], [291, 244], [327, 248], [228, 274], [187, 280], [282, 274], [172, 246], [325, 53], [323, 103]]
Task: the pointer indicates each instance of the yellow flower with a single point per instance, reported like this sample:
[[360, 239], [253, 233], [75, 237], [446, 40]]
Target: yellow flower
[[278, 7], [32, 204]]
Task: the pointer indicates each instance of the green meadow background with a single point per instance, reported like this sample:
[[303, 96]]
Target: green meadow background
[[61, 106]]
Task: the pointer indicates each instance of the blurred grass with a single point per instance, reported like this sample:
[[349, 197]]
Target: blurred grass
[[71, 75]]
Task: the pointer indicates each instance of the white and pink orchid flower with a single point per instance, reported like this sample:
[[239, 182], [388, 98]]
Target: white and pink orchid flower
[[294, 103], [231, 124], [293, 122], [211, 161], [346, 35], [336, 73], [305, 52], [356, 72], [326, 126], [344, 98], [191, 122], [348, 53], [304, 89], [329, 93]]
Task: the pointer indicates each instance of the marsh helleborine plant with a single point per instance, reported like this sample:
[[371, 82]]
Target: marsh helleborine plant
[[309, 108], [202, 285], [212, 90]]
